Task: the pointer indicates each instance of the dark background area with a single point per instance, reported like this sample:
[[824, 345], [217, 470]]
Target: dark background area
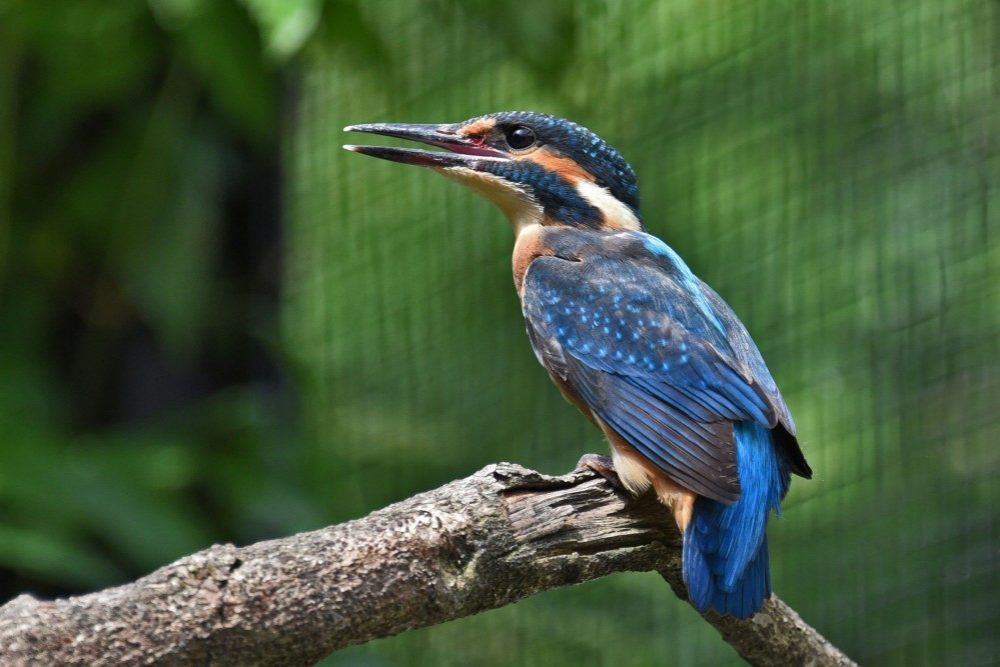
[[216, 325]]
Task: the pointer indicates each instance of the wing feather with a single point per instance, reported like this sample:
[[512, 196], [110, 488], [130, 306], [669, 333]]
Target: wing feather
[[658, 357]]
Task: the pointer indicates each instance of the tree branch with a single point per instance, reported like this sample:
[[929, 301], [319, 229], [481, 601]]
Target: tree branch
[[478, 543]]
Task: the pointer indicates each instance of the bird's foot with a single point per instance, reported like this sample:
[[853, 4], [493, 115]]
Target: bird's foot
[[603, 466]]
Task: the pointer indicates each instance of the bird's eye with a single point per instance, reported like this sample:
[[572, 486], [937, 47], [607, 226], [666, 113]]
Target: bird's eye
[[520, 137]]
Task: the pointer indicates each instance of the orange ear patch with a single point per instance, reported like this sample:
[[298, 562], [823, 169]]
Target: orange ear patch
[[559, 164], [479, 128]]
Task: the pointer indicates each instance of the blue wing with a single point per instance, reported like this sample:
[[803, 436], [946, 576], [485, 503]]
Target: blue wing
[[655, 354]]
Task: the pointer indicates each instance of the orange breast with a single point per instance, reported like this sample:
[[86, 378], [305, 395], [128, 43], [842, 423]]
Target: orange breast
[[529, 245]]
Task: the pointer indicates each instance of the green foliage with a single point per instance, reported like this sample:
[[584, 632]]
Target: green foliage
[[829, 168], [121, 127]]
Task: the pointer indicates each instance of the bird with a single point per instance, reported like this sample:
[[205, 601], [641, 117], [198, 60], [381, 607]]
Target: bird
[[647, 351]]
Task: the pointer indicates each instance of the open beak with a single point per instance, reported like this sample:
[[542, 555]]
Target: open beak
[[465, 151]]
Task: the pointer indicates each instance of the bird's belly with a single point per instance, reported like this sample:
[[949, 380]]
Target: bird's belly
[[638, 473], [630, 469]]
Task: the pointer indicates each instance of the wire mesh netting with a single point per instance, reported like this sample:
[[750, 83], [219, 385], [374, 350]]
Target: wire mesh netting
[[830, 168]]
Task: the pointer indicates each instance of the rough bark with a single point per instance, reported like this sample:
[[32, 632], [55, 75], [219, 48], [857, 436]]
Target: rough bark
[[482, 542]]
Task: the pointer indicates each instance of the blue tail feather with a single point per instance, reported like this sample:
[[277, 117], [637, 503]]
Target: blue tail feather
[[725, 546]]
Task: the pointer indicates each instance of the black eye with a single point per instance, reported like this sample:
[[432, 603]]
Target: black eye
[[520, 137]]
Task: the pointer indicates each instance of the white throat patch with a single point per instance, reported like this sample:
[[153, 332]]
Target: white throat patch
[[616, 214], [516, 204]]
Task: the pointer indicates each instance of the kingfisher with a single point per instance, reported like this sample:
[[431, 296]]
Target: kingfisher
[[649, 353]]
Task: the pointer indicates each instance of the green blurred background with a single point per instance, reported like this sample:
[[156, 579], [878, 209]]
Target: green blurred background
[[216, 325]]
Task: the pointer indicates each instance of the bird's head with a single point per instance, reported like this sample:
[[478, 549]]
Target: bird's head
[[537, 168]]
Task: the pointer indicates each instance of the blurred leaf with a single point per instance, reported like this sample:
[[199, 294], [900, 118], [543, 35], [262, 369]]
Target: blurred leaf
[[172, 14], [172, 271], [285, 24], [58, 559], [112, 38], [219, 40], [354, 33], [149, 527], [544, 38]]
